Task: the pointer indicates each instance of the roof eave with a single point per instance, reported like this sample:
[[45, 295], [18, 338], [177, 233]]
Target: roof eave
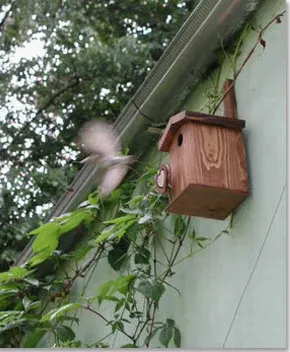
[[184, 62]]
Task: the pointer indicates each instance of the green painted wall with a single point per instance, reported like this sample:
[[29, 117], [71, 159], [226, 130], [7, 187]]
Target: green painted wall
[[233, 294]]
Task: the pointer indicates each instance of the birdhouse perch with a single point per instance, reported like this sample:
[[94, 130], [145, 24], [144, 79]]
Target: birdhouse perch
[[208, 173]]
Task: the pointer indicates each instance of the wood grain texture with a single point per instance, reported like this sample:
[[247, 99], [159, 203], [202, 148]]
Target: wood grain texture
[[207, 202], [198, 118], [210, 157]]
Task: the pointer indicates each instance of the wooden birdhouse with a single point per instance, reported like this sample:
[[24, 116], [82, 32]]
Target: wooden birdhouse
[[207, 175]]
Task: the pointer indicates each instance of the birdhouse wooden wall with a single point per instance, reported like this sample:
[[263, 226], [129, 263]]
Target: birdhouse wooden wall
[[208, 168]]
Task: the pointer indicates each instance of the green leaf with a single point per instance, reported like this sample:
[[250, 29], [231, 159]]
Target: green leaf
[[54, 313], [149, 174], [165, 335], [33, 305], [6, 296], [202, 239], [117, 230], [122, 230], [7, 291], [32, 338], [131, 211], [9, 286], [192, 235], [151, 290], [117, 257], [14, 273], [26, 302], [170, 323], [142, 256], [48, 228], [123, 283], [10, 319], [94, 198], [40, 257], [177, 337], [68, 318], [19, 272], [119, 305], [117, 325], [14, 324], [4, 315], [179, 226], [145, 287], [65, 333], [121, 219], [105, 234], [105, 289], [200, 244], [47, 239], [43, 242], [157, 291], [74, 220], [129, 345], [120, 285], [135, 201], [32, 281], [133, 232]]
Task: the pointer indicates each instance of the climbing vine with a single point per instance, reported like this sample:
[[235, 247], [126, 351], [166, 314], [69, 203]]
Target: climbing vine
[[133, 239], [214, 95]]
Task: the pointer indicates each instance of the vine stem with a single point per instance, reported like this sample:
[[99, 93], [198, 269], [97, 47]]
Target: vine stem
[[95, 258], [97, 313], [224, 231], [83, 271], [154, 259], [135, 336], [106, 320], [145, 322], [155, 305], [276, 19], [151, 326], [173, 257]]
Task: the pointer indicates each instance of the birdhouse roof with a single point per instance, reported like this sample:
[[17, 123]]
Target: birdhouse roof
[[194, 117]]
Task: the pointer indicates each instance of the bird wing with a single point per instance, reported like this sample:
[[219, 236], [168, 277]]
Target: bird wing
[[112, 178], [98, 137]]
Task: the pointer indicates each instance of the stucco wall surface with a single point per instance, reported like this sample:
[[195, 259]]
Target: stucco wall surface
[[233, 293]]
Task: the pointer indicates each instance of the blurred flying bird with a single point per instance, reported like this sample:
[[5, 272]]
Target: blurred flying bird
[[98, 139]]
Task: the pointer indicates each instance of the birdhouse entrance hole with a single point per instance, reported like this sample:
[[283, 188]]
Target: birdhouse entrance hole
[[208, 175]]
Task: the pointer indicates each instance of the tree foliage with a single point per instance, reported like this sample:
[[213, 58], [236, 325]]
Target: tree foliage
[[33, 304], [136, 243], [92, 57]]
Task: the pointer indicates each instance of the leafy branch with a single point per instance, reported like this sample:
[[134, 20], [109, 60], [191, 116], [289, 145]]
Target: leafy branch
[[259, 41], [129, 236], [134, 241]]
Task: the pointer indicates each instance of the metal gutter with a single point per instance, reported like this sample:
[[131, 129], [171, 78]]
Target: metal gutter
[[187, 58]]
